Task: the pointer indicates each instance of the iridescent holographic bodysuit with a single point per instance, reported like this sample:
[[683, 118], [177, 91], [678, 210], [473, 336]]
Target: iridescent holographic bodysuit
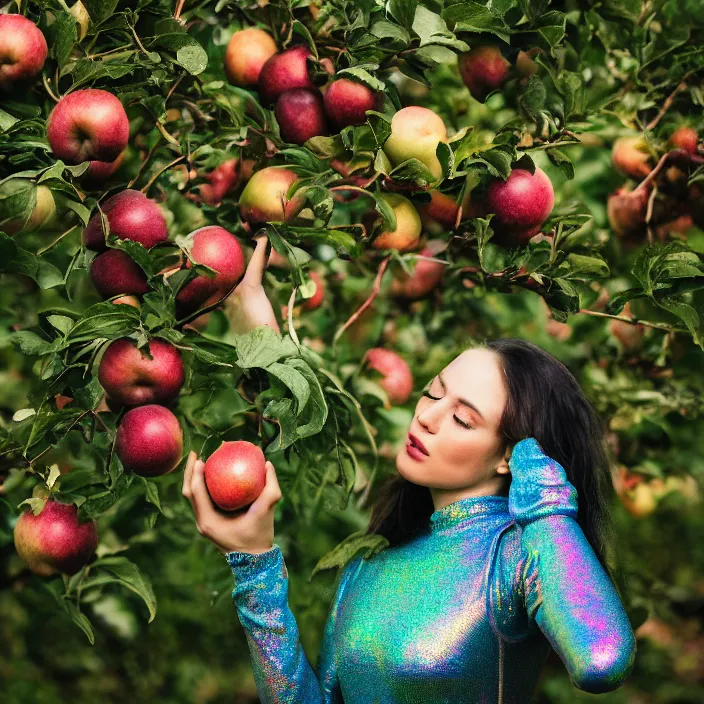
[[465, 612]]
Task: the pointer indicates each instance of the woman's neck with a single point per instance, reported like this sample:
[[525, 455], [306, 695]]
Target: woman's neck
[[445, 497]]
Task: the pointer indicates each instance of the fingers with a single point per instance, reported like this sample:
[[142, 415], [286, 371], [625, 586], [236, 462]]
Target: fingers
[[186, 489], [271, 493], [257, 264], [200, 498]]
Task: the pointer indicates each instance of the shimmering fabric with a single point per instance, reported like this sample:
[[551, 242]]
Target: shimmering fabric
[[464, 613]]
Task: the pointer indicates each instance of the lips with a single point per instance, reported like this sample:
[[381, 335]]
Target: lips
[[417, 443]]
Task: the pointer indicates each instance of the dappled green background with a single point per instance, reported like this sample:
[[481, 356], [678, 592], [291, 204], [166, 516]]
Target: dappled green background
[[606, 70]]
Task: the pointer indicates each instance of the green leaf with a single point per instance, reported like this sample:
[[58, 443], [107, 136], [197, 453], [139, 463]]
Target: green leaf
[[562, 161], [100, 10], [64, 37], [362, 76], [193, 58], [15, 260], [124, 572], [294, 380], [344, 551], [262, 347], [473, 17], [80, 619], [432, 29]]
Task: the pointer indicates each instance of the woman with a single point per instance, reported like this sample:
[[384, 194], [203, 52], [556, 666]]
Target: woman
[[497, 552]]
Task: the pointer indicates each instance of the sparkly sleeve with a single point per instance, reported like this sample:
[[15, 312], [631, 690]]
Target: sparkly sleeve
[[282, 672], [568, 593]]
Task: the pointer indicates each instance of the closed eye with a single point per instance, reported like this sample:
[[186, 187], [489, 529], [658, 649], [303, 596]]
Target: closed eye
[[460, 422]]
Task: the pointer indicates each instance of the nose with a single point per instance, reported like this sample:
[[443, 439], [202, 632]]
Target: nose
[[431, 417]]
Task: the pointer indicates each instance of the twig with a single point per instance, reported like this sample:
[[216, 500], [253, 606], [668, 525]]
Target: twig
[[179, 7], [289, 314], [375, 290], [142, 164], [634, 321], [169, 138], [48, 90], [679, 153], [161, 171], [668, 102], [139, 43], [57, 240], [649, 214]]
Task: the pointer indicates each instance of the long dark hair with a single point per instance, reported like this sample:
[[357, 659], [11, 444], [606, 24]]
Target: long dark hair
[[546, 402]]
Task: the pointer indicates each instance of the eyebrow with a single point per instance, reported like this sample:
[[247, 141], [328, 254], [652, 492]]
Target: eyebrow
[[463, 401]]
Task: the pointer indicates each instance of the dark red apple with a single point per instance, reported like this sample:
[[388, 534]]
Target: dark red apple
[[284, 71], [114, 272], [235, 474], [301, 115], [247, 52], [397, 378], [131, 216], [102, 170], [131, 378], [483, 70], [54, 541], [346, 102], [23, 50], [626, 211], [521, 205], [87, 125], [221, 180], [149, 441], [216, 248]]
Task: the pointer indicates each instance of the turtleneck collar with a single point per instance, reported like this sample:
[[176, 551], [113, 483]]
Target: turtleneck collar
[[469, 507]]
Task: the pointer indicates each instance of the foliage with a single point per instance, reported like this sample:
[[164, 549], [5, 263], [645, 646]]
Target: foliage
[[625, 314]]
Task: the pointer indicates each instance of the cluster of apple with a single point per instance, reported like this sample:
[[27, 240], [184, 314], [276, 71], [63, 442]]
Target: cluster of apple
[[679, 205]]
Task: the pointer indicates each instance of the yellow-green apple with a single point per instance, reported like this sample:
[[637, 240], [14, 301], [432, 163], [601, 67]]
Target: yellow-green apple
[[214, 247], [131, 378], [114, 272], [631, 156], [301, 115], [483, 69], [284, 71], [235, 474], [42, 215], [408, 226], [23, 50], [131, 216], [86, 125], [54, 540], [149, 441], [264, 197], [415, 134], [247, 52], [521, 205], [397, 379], [426, 275], [347, 101]]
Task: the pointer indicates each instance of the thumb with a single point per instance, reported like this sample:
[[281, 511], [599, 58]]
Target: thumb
[[271, 494]]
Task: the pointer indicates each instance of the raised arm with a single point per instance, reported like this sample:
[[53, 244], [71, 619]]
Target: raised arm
[[281, 670], [567, 591]]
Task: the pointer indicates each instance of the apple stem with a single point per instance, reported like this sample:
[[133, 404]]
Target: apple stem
[[48, 89]]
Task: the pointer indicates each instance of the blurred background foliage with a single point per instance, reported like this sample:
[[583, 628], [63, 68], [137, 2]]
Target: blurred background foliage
[[625, 318]]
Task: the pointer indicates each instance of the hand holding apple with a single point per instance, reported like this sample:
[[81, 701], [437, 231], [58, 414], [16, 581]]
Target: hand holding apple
[[250, 531]]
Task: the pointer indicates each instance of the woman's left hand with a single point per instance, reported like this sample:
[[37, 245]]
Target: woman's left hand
[[248, 306], [539, 485]]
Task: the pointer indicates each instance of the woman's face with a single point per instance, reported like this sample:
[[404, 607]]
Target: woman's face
[[463, 443]]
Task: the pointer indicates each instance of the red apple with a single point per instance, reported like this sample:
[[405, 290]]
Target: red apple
[[520, 205], [247, 52], [347, 101], [149, 441], [316, 300], [483, 70], [264, 197], [216, 248], [284, 71], [103, 170], [300, 115], [114, 272], [426, 275], [442, 210], [630, 155], [131, 378], [685, 138], [87, 125], [54, 541], [397, 378], [131, 216], [221, 180], [626, 211], [23, 50], [235, 474]]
